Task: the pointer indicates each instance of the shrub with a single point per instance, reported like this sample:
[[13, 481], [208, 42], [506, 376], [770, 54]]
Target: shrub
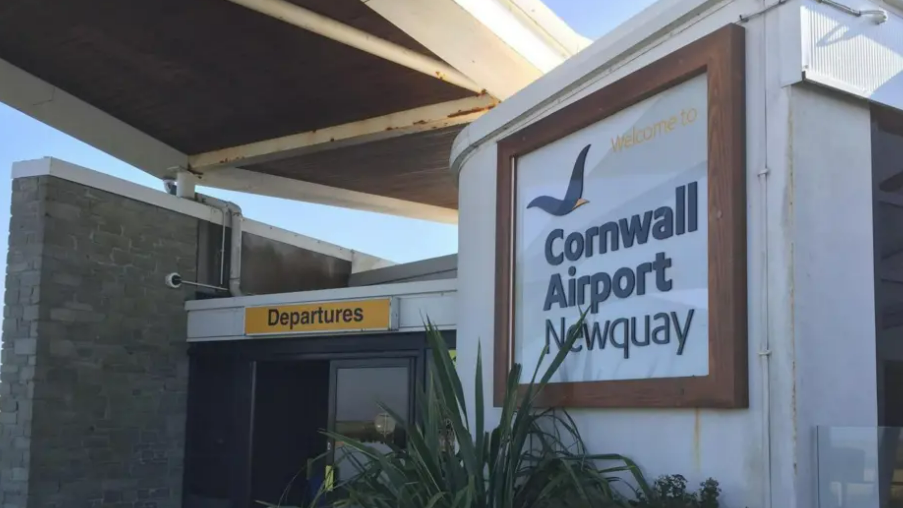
[[671, 492], [531, 459]]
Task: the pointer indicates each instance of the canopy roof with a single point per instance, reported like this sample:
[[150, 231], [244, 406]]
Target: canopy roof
[[342, 102]]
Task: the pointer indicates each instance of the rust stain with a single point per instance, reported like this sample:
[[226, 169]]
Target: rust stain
[[464, 112], [792, 292], [420, 122], [697, 424]]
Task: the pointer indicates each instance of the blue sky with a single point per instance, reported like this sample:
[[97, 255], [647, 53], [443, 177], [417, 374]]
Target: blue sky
[[393, 238]]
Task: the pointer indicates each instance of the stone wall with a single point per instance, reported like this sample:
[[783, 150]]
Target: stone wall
[[94, 370], [19, 340]]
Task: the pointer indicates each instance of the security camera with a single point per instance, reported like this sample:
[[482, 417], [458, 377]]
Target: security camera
[[169, 185], [174, 280]]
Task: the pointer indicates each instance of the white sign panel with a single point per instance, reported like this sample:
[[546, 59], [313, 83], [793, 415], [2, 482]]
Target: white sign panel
[[613, 219]]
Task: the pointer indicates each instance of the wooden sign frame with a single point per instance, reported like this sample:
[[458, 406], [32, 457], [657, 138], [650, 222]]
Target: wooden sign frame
[[721, 56]]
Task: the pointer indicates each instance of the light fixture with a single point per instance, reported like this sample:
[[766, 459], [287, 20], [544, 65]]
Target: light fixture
[[384, 424]]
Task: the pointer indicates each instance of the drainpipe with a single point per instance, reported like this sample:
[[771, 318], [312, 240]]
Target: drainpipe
[[233, 212], [764, 290], [235, 256], [765, 341], [183, 187]]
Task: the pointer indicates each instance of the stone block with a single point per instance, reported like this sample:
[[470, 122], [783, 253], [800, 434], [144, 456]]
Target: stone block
[[63, 315], [113, 228], [13, 487], [9, 377], [11, 296], [161, 493], [113, 287], [64, 377], [112, 496], [76, 305], [119, 484], [47, 487], [25, 410], [62, 348], [110, 240], [31, 312], [29, 278], [66, 279], [10, 324], [26, 374], [61, 238], [25, 346]]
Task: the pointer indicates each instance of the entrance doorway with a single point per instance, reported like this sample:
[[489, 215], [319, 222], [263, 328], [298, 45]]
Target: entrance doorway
[[295, 401], [257, 411], [291, 409]]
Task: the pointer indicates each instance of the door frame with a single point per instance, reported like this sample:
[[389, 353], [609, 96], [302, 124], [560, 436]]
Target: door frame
[[412, 362]]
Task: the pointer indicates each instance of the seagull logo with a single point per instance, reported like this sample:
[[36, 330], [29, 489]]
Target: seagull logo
[[573, 197]]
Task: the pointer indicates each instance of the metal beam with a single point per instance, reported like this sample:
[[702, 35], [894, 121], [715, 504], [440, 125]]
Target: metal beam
[[241, 180], [548, 25], [497, 43], [527, 28], [340, 32], [67, 113], [64, 112], [436, 116]]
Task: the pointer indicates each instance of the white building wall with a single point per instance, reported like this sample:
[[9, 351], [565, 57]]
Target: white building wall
[[813, 184], [833, 293], [726, 445]]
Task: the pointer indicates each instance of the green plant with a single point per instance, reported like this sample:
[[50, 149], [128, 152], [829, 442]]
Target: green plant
[[671, 492], [532, 459]]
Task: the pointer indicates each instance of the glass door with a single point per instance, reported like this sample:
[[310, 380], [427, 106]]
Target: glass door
[[357, 387]]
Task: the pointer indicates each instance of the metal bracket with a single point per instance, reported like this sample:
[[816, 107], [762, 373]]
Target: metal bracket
[[880, 15]]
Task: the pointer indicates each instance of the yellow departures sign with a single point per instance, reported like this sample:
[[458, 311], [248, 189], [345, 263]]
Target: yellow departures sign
[[346, 316]]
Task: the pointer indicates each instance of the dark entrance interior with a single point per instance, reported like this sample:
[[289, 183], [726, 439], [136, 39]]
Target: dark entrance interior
[[257, 409], [291, 409], [887, 191]]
